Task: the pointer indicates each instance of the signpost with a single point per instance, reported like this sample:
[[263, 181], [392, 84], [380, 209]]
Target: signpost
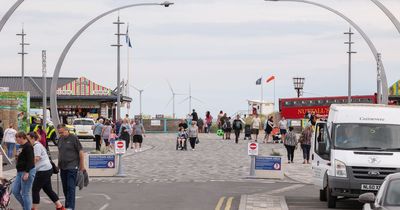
[[252, 151], [120, 149]]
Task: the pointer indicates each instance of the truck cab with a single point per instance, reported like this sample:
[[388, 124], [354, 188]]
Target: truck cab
[[355, 149]]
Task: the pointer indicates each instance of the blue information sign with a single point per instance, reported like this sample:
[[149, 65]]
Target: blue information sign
[[268, 163], [101, 161]]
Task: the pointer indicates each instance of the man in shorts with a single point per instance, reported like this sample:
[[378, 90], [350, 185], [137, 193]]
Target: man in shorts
[[255, 126], [138, 134]]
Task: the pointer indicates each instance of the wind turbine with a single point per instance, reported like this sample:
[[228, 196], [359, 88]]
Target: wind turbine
[[173, 99], [140, 99], [190, 98]]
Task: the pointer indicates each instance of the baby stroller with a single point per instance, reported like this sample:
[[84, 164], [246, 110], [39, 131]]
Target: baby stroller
[[247, 132], [5, 193], [181, 140], [276, 136]]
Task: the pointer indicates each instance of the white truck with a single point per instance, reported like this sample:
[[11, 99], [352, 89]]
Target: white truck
[[355, 149]]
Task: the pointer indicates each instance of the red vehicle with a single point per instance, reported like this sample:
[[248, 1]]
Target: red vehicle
[[297, 108]]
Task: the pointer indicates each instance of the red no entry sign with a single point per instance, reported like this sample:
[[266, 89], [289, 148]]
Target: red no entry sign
[[253, 146], [120, 145]]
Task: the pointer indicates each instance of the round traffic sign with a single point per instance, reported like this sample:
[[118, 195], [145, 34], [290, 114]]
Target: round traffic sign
[[253, 146], [120, 145]]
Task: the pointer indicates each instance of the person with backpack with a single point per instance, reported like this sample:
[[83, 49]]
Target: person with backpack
[[227, 128], [237, 127]]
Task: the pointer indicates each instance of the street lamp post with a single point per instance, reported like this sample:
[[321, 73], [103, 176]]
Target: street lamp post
[[118, 45], [298, 83], [9, 13], [382, 81], [56, 74], [23, 53]]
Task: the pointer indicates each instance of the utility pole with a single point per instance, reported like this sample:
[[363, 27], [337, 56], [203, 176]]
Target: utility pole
[[379, 79], [44, 87], [23, 53], [349, 52], [118, 45]]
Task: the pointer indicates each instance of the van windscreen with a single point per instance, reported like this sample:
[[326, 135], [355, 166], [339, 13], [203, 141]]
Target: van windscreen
[[367, 137]]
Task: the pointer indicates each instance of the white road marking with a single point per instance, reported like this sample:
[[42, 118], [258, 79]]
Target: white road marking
[[285, 189], [104, 207]]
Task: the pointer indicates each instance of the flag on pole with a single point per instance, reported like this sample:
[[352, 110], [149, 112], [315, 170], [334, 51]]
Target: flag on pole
[[258, 82], [270, 78], [127, 38]]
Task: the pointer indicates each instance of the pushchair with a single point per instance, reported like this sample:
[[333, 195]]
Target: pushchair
[[5, 193], [276, 136], [247, 132], [182, 137]]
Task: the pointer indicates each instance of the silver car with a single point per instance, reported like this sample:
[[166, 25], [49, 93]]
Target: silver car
[[387, 198]]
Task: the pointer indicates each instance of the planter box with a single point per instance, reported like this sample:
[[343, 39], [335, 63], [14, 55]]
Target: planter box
[[101, 164]]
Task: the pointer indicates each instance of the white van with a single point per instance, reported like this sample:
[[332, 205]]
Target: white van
[[355, 150]]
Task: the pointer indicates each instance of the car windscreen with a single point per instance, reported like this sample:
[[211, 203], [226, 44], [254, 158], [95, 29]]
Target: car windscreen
[[83, 122], [393, 193], [367, 137]]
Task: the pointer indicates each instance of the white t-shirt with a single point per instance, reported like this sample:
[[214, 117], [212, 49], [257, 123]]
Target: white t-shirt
[[44, 163], [283, 124], [256, 123], [9, 135]]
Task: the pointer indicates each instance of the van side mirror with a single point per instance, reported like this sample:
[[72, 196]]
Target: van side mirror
[[367, 198], [322, 148]]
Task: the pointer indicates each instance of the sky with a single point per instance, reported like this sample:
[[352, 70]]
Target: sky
[[220, 47]]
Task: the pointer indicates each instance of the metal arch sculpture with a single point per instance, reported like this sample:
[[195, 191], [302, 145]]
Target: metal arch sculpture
[[389, 14], [374, 51], [56, 74], [9, 13]]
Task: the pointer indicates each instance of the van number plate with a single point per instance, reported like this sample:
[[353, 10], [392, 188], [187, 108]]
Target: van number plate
[[370, 187]]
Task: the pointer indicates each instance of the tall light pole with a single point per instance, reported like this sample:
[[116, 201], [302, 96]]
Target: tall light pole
[[350, 43], [118, 45], [23, 53], [298, 83], [8, 14], [56, 74], [389, 14], [383, 94]]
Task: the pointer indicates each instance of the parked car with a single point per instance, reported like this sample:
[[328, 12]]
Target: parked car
[[84, 128], [387, 198]]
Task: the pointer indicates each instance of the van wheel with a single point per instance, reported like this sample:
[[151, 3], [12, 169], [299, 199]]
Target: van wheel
[[330, 198], [322, 195]]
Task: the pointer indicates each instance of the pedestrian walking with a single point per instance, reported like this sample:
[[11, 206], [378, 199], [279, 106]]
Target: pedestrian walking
[[9, 140], [25, 172], [255, 126], [193, 135], [220, 115], [237, 128], [305, 141], [227, 128], [112, 138], [222, 120], [283, 127], [138, 133], [105, 134], [290, 143], [97, 130], [42, 135], [44, 171], [195, 117], [200, 125], [209, 119], [125, 132], [268, 127], [70, 159]]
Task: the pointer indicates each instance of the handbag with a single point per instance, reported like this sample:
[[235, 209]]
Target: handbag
[[197, 141], [56, 170]]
